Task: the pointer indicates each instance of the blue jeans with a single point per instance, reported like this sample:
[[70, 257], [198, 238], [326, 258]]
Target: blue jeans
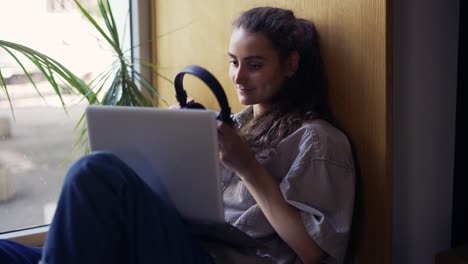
[[107, 214], [12, 252]]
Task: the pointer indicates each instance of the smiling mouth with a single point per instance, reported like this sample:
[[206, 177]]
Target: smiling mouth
[[245, 89]]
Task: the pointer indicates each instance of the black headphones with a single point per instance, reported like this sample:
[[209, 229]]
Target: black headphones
[[213, 84]]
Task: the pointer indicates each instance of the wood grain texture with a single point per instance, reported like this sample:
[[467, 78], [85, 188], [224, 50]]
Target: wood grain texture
[[355, 41]]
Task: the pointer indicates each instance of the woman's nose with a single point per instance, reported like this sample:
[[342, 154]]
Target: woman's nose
[[240, 76]]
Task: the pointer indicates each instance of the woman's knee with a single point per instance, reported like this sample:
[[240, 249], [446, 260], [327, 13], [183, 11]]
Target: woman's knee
[[98, 158], [94, 167]]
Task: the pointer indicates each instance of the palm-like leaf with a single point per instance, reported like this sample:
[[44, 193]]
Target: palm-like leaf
[[116, 85]]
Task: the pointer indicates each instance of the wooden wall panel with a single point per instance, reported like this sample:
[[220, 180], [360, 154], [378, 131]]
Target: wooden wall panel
[[354, 39]]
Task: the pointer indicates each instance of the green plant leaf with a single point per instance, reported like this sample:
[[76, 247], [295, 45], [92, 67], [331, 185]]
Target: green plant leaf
[[109, 21], [94, 23], [3, 86], [147, 85], [25, 71], [49, 67], [119, 84]]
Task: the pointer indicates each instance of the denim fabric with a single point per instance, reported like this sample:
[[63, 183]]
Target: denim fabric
[[16, 253], [107, 214]]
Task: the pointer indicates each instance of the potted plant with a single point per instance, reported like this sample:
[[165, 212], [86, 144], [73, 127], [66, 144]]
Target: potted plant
[[120, 84]]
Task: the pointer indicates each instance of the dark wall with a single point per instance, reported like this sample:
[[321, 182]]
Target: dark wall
[[460, 183], [425, 47]]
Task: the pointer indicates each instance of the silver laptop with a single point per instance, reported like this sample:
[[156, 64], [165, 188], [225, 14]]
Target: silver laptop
[[174, 151]]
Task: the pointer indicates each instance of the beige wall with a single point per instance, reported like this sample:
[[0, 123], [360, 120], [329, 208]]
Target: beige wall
[[355, 47]]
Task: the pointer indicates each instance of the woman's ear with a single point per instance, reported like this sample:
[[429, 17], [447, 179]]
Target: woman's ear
[[292, 64]]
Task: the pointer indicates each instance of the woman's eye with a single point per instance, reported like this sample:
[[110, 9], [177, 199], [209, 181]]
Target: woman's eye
[[255, 66], [233, 63]]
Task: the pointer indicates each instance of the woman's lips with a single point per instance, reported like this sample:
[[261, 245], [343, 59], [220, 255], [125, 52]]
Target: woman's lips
[[245, 90]]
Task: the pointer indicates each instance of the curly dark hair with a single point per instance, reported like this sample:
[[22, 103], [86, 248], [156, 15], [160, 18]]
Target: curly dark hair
[[304, 96]]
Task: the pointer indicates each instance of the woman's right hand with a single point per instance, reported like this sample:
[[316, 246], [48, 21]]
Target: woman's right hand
[[235, 152]]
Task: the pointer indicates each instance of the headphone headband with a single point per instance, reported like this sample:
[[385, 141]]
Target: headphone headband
[[213, 84]]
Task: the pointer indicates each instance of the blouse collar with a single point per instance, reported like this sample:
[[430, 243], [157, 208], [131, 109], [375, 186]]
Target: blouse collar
[[244, 116]]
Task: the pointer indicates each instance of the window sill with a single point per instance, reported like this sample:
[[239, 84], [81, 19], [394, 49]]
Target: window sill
[[31, 236]]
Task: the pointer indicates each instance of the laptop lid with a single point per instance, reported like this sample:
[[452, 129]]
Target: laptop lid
[[174, 151]]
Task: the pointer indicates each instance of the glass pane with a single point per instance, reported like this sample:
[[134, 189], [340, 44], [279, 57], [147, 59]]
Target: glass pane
[[34, 145]]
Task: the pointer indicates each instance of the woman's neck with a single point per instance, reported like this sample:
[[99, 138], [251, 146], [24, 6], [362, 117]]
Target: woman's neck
[[259, 109]]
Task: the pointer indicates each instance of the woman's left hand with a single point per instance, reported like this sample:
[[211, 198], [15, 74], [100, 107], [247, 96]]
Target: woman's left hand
[[234, 151]]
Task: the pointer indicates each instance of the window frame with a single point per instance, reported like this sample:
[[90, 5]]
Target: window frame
[[34, 236]]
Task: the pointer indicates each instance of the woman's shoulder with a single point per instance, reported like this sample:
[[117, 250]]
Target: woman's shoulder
[[323, 130], [324, 141]]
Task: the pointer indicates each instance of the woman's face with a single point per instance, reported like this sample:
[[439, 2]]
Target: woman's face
[[255, 68]]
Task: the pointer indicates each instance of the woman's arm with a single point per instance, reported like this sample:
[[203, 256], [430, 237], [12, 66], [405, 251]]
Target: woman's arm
[[285, 219]]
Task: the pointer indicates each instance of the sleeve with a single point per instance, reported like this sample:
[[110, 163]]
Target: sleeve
[[320, 183]]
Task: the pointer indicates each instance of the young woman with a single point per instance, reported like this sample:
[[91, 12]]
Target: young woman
[[287, 173]]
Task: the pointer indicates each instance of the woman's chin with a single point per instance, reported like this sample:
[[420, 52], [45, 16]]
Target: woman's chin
[[244, 100]]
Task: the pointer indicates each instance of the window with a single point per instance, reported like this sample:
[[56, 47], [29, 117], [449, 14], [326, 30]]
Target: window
[[35, 146]]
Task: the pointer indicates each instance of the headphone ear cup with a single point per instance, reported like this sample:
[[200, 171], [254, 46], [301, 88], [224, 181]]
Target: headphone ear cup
[[194, 105]]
